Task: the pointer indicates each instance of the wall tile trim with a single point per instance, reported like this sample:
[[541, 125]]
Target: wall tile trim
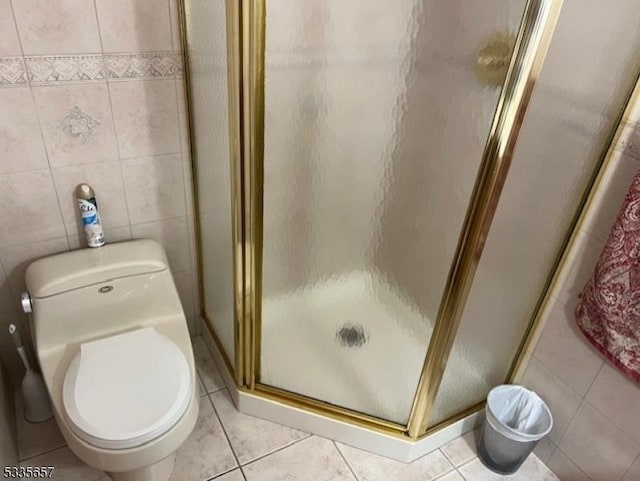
[[65, 68], [12, 71], [52, 69], [140, 65]]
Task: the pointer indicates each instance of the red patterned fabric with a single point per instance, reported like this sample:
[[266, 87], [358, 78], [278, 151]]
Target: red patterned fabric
[[608, 310]]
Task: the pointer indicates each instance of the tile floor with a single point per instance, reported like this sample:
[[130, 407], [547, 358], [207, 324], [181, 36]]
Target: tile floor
[[229, 446]]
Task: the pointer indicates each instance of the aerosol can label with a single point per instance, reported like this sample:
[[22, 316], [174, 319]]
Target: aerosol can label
[[91, 221]]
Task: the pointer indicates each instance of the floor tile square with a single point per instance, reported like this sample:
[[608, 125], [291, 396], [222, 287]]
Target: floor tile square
[[371, 467], [314, 459], [206, 452], [251, 437]]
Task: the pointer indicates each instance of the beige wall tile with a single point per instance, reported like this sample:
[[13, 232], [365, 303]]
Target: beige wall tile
[[76, 123], [561, 399], [172, 234], [9, 44], [17, 258], [581, 262], [62, 131], [8, 315], [615, 183], [20, 140], [634, 472], [63, 26], [134, 25], [8, 451], [154, 187], [6, 301], [564, 468], [28, 208], [176, 41], [597, 446], [617, 397], [146, 117], [563, 350], [106, 180]]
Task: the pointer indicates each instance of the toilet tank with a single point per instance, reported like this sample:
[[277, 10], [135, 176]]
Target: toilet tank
[[91, 293]]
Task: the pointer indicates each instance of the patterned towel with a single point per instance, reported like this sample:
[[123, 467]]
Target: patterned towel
[[608, 310]]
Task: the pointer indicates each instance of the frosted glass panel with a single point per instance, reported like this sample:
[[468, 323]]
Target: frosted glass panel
[[590, 69], [210, 132], [374, 130]]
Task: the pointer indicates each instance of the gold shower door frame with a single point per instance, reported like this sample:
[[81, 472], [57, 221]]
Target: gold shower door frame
[[246, 70], [246, 25]]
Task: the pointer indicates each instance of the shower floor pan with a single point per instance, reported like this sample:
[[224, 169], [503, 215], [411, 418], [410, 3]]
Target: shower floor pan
[[351, 341]]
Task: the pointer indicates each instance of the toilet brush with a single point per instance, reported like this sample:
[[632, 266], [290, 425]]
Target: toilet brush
[[37, 406]]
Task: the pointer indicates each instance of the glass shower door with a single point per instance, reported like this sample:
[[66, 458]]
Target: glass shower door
[[583, 86], [207, 47], [375, 123]]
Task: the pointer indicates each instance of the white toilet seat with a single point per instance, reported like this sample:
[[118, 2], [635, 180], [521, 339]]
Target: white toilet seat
[[125, 390]]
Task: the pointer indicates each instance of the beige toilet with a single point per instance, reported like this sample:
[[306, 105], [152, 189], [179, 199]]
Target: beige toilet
[[112, 341]]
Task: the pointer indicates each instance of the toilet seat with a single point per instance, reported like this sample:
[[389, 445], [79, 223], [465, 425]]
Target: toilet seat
[[125, 390]]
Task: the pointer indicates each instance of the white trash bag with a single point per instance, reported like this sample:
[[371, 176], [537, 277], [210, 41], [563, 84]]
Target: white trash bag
[[516, 419]]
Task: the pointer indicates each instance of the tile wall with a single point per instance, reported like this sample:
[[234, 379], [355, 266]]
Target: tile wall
[[91, 91], [596, 434]]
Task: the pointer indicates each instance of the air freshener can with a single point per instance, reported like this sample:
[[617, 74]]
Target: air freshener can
[[90, 216]]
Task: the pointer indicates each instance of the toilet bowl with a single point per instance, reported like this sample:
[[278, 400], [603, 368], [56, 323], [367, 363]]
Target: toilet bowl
[[113, 345]]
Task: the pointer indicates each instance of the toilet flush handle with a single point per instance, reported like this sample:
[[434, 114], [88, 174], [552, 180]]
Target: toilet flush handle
[[25, 298]]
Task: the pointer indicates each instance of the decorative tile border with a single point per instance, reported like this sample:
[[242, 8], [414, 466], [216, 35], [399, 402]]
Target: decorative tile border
[[12, 71], [65, 68], [52, 69], [141, 65]]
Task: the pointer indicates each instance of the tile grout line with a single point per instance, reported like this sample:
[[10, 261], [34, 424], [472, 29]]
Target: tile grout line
[[564, 432], [179, 85], [217, 476], [582, 399], [16, 295], [335, 445], [113, 117], [630, 466], [281, 448], [572, 462], [36, 111], [47, 451], [226, 435]]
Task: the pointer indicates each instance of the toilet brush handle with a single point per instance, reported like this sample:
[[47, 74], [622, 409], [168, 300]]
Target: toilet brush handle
[[15, 335], [25, 359], [17, 340]]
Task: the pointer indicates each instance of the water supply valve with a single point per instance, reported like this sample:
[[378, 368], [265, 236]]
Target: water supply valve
[[25, 300]]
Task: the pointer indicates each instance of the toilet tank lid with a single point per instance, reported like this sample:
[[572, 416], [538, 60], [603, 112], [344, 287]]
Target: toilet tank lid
[[71, 270]]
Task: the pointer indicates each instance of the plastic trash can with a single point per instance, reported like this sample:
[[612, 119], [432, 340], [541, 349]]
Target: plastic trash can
[[516, 419]]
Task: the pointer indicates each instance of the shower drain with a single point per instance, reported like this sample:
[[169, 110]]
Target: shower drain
[[352, 335]]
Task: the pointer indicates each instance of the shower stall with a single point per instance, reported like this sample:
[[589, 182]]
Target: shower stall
[[384, 190]]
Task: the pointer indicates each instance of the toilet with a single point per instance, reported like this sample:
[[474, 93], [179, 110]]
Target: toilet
[[114, 349]]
